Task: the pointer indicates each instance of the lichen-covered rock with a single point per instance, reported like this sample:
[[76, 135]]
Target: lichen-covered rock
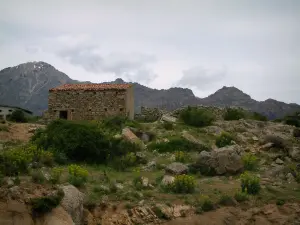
[[177, 168], [73, 203], [167, 180]]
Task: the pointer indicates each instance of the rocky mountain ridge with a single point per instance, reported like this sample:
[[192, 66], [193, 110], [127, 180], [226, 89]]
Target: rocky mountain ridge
[[27, 85]]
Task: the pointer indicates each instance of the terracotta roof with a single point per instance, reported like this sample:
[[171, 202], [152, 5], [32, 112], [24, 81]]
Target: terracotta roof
[[90, 87]]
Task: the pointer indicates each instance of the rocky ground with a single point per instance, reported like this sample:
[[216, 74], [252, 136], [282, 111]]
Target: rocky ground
[[110, 197]]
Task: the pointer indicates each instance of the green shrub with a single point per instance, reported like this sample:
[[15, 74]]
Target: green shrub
[[168, 125], [42, 205], [292, 121], [47, 158], [183, 184], [234, 114], [160, 213], [280, 202], [181, 156], [17, 116], [82, 142], [259, 117], [224, 139], [175, 144], [125, 162], [250, 184], [241, 196], [226, 200], [206, 204], [55, 175], [78, 176], [38, 177], [250, 161], [296, 132], [196, 117]]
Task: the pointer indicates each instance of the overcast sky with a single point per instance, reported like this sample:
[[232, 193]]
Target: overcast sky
[[253, 45]]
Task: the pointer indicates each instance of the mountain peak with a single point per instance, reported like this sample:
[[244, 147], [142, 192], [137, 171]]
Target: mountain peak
[[119, 81]]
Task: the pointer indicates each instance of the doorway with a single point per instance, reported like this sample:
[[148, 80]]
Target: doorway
[[63, 115]]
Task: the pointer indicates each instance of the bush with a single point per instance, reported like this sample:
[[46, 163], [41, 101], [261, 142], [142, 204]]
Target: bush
[[181, 156], [38, 177], [224, 139], [77, 175], [175, 144], [45, 204], [126, 161], [82, 142], [17, 116], [280, 202], [160, 213], [47, 158], [55, 175], [206, 204], [196, 117], [183, 184], [168, 125], [296, 132], [226, 200], [234, 114], [259, 117], [250, 184], [292, 121], [241, 196], [250, 161]]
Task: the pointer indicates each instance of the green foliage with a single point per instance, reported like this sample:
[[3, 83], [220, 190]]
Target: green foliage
[[181, 156], [168, 125], [250, 184], [81, 142], [194, 116], [125, 162], [183, 184], [226, 200], [117, 123], [234, 114], [293, 121], [280, 202], [294, 170], [296, 132], [17, 116], [55, 175], [174, 144], [224, 139], [78, 176], [258, 116], [42, 205], [250, 161], [160, 213], [4, 128], [38, 177], [17, 160], [241, 196], [206, 204]]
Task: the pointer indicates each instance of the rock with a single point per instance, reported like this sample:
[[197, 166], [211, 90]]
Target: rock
[[57, 216], [73, 203], [169, 118], [130, 136], [226, 160], [294, 153], [14, 192], [254, 138], [167, 179], [10, 182], [279, 161], [266, 146], [150, 166], [177, 168], [145, 181], [290, 178], [119, 186], [145, 137]]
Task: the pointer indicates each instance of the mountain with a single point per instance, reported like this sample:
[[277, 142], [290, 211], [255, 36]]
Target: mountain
[[27, 85]]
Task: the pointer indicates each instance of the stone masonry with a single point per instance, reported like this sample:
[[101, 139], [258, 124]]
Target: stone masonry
[[90, 101]]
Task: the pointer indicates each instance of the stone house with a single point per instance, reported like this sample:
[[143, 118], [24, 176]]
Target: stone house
[[6, 110], [90, 101]]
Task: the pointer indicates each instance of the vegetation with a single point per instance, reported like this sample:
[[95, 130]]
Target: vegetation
[[78, 176], [183, 184], [168, 125], [196, 117], [42, 205], [4, 128], [224, 139], [241, 196], [117, 123], [38, 176], [250, 161], [234, 114], [250, 183], [259, 117], [55, 175], [181, 156], [17, 116], [206, 204], [296, 132], [226, 200]]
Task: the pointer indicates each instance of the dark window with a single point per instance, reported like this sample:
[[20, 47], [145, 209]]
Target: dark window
[[121, 109], [63, 115], [72, 110], [55, 111], [10, 110], [105, 109]]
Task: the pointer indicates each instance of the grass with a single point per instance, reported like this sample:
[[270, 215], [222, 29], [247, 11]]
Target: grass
[[4, 128]]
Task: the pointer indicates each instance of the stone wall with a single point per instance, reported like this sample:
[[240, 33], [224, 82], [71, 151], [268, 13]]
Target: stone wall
[[90, 105]]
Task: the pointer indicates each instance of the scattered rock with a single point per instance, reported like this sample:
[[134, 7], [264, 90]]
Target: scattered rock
[[119, 186], [150, 166], [10, 182], [279, 161], [167, 179], [145, 181], [294, 153], [130, 136], [141, 157], [73, 203], [254, 138], [177, 168], [290, 178], [266, 146], [168, 118]]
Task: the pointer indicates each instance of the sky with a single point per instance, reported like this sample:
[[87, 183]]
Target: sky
[[253, 45]]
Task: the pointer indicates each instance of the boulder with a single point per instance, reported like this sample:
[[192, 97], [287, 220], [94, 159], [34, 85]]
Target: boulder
[[73, 203], [169, 118], [57, 216], [130, 136], [167, 180], [279, 161], [177, 168], [150, 166], [226, 160], [294, 153]]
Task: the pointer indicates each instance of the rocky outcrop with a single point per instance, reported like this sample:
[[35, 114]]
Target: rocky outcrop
[[177, 168], [73, 203], [226, 160]]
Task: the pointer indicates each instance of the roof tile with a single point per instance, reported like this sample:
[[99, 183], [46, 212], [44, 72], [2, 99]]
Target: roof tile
[[91, 87]]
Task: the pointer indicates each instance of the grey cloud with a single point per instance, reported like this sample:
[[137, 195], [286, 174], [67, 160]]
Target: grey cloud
[[133, 66]]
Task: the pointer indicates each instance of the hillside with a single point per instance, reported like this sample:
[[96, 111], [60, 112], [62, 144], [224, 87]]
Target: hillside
[[27, 85]]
